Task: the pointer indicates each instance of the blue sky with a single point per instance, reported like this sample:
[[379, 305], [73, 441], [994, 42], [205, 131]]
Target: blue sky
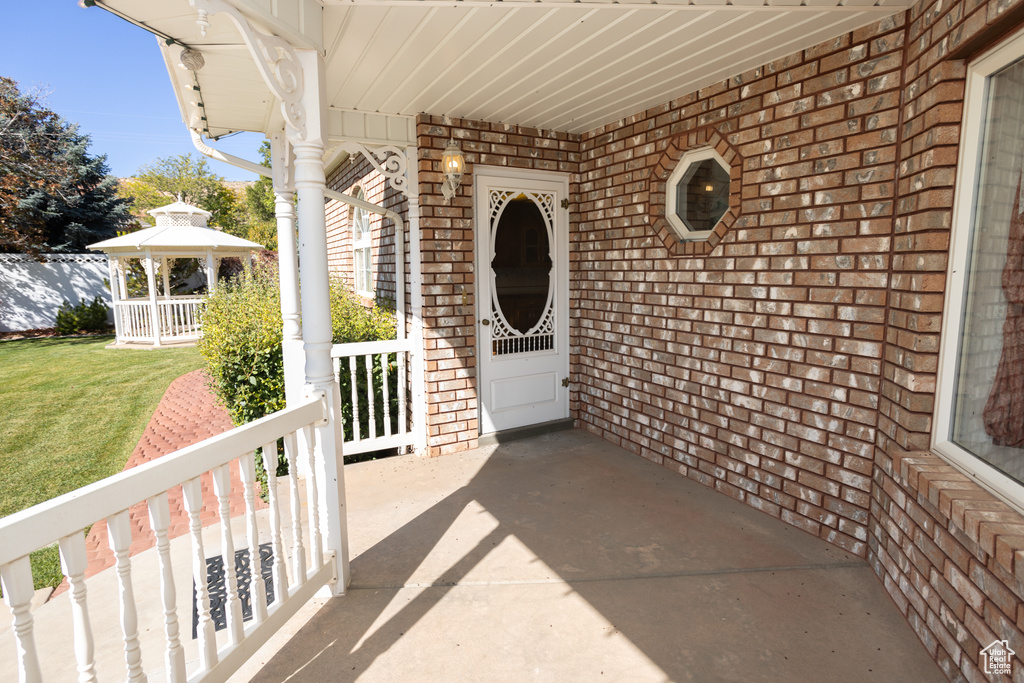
[[106, 75]]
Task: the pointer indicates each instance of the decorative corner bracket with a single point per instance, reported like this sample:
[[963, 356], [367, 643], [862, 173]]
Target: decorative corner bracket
[[282, 162], [274, 57], [391, 161]]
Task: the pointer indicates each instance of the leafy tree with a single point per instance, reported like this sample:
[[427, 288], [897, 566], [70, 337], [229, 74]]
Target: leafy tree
[[260, 209], [185, 178], [84, 207], [32, 144]]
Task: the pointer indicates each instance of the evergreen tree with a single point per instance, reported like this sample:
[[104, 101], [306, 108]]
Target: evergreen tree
[[32, 144], [84, 207]]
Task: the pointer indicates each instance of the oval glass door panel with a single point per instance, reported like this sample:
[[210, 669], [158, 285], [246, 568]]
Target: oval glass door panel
[[521, 276]]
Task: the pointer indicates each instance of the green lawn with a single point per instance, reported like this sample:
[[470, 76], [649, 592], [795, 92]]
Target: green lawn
[[71, 413]]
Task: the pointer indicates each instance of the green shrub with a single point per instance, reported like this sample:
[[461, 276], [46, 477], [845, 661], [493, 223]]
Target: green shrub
[[83, 317], [241, 345]]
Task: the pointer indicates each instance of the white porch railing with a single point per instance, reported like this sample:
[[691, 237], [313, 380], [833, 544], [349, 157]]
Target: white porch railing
[[374, 382], [299, 564], [178, 316]]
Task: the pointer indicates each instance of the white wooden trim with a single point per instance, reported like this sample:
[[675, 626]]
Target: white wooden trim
[[418, 369], [370, 128], [968, 168]]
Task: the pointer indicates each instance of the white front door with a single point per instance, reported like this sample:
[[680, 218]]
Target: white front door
[[523, 298]]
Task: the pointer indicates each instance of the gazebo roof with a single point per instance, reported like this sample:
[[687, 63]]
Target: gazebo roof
[[177, 238], [180, 228]]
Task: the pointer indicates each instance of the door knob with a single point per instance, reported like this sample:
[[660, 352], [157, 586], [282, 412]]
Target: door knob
[[485, 321]]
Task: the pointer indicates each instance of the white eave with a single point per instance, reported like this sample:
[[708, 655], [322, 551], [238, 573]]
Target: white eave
[[552, 64]]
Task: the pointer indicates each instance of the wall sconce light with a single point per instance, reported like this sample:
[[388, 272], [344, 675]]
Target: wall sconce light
[[192, 60], [453, 165]]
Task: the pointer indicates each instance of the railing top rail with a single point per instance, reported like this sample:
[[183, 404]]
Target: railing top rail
[[365, 348], [40, 525]]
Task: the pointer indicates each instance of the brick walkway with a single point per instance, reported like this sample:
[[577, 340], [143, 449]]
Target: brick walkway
[[187, 414]]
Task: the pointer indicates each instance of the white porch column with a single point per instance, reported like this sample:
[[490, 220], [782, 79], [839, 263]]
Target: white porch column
[[288, 266], [310, 183], [154, 309], [115, 294], [419, 368]]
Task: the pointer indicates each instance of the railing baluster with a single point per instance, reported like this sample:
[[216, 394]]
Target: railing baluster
[[312, 499], [403, 426], [160, 519], [233, 610], [387, 393], [355, 398], [298, 548], [257, 591], [280, 571], [119, 529], [372, 431], [73, 561], [193, 490], [16, 578]]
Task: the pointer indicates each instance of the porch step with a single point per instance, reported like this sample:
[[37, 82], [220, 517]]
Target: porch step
[[504, 436]]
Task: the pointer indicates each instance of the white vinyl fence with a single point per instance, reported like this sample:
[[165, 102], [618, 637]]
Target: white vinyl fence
[[31, 292]]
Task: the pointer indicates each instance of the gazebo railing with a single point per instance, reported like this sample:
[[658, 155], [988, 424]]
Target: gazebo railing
[[134, 321], [178, 316]]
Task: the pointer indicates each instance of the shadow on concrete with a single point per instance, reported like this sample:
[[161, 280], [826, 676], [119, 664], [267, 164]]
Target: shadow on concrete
[[564, 558]]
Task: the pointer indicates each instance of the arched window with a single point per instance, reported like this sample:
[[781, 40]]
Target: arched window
[[362, 248]]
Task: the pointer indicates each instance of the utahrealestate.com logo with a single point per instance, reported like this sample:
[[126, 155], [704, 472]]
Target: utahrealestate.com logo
[[998, 658]]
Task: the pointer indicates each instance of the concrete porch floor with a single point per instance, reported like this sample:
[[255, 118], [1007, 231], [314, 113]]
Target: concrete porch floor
[[564, 558]]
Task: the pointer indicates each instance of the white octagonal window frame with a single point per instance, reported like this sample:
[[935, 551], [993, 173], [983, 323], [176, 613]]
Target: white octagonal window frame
[[671, 192]]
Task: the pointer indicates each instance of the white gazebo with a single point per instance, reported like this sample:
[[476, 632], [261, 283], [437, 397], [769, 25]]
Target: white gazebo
[[181, 232]]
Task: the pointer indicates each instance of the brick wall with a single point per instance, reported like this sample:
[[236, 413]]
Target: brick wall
[[449, 318], [750, 363], [945, 549], [359, 173], [790, 361]]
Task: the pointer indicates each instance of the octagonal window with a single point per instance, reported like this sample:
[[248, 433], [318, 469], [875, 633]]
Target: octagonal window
[[697, 194]]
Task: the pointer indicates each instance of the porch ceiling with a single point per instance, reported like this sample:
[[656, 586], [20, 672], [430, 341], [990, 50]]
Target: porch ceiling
[[568, 66]]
